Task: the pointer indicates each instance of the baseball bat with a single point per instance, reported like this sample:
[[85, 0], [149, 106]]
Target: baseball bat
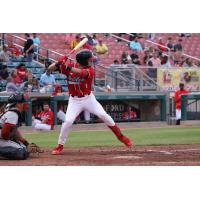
[[78, 46]]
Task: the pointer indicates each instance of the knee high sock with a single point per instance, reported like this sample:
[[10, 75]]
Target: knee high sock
[[116, 130]]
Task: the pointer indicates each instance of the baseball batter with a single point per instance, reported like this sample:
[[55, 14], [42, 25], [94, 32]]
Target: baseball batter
[[80, 77]]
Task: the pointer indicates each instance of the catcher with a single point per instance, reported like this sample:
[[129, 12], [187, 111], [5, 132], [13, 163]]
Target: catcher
[[12, 144]]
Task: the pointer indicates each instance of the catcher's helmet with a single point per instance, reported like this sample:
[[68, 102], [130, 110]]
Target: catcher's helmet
[[14, 99], [83, 57]]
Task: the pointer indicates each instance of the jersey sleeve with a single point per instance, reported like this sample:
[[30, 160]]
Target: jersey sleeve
[[62, 69], [89, 73], [61, 65]]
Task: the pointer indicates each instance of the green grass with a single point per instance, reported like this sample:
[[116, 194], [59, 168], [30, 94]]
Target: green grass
[[140, 136]]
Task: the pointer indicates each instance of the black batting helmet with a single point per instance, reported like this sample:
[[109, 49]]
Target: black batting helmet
[[15, 98], [83, 56]]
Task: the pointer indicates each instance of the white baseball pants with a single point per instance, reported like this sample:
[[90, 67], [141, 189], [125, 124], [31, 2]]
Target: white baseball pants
[[86, 115], [61, 115], [75, 107], [38, 125], [178, 114]]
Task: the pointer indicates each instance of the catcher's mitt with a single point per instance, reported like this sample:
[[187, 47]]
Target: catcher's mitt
[[33, 148]]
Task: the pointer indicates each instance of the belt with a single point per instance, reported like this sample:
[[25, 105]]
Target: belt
[[81, 95]]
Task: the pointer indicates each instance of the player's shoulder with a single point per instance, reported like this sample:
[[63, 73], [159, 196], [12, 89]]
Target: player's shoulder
[[90, 68], [10, 117], [72, 64], [42, 112], [11, 113], [50, 112]]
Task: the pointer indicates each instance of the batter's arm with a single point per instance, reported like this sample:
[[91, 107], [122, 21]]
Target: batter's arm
[[52, 67], [57, 65]]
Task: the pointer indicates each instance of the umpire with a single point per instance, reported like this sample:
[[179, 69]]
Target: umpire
[[12, 143]]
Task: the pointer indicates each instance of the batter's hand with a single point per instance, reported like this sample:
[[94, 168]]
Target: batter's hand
[[57, 65], [63, 60]]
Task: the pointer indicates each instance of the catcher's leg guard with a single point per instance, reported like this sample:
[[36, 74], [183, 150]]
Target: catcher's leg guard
[[13, 150], [13, 153]]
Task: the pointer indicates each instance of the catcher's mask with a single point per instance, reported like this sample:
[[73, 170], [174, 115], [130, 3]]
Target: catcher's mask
[[85, 57], [17, 98]]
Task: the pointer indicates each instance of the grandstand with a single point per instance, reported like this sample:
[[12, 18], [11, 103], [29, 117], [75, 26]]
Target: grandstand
[[53, 45], [56, 42]]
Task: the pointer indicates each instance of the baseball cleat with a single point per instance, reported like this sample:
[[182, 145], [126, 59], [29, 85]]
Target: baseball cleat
[[126, 141], [57, 150]]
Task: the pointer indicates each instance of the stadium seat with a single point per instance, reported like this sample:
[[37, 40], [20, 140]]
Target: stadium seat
[[3, 83], [55, 41], [60, 76], [37, 76], [64, 88], [61, 82], [40, 70]]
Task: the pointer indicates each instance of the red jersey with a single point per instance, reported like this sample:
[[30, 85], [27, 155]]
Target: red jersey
[[21, 72], [17, 80], [177, 97], [164, 49], [46, 117], [129, 115], [86, 46], [78, 84], [14, 50]]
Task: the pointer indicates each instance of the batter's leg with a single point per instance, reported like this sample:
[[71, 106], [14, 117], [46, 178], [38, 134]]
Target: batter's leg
[[73, 110], [93, 106], [86, 116], [61, 115]]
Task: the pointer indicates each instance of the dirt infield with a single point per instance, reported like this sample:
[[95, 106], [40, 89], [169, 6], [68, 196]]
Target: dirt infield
[[160, 155], [165, 155]]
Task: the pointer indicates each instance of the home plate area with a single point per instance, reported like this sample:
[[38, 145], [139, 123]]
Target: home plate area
[[165, 155], [161, 155]]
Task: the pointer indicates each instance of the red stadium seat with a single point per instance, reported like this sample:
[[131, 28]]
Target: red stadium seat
[[55, 41]]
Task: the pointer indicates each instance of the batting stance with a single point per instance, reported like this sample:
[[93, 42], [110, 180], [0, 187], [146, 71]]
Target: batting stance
[[80, 77], [12, 144]]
